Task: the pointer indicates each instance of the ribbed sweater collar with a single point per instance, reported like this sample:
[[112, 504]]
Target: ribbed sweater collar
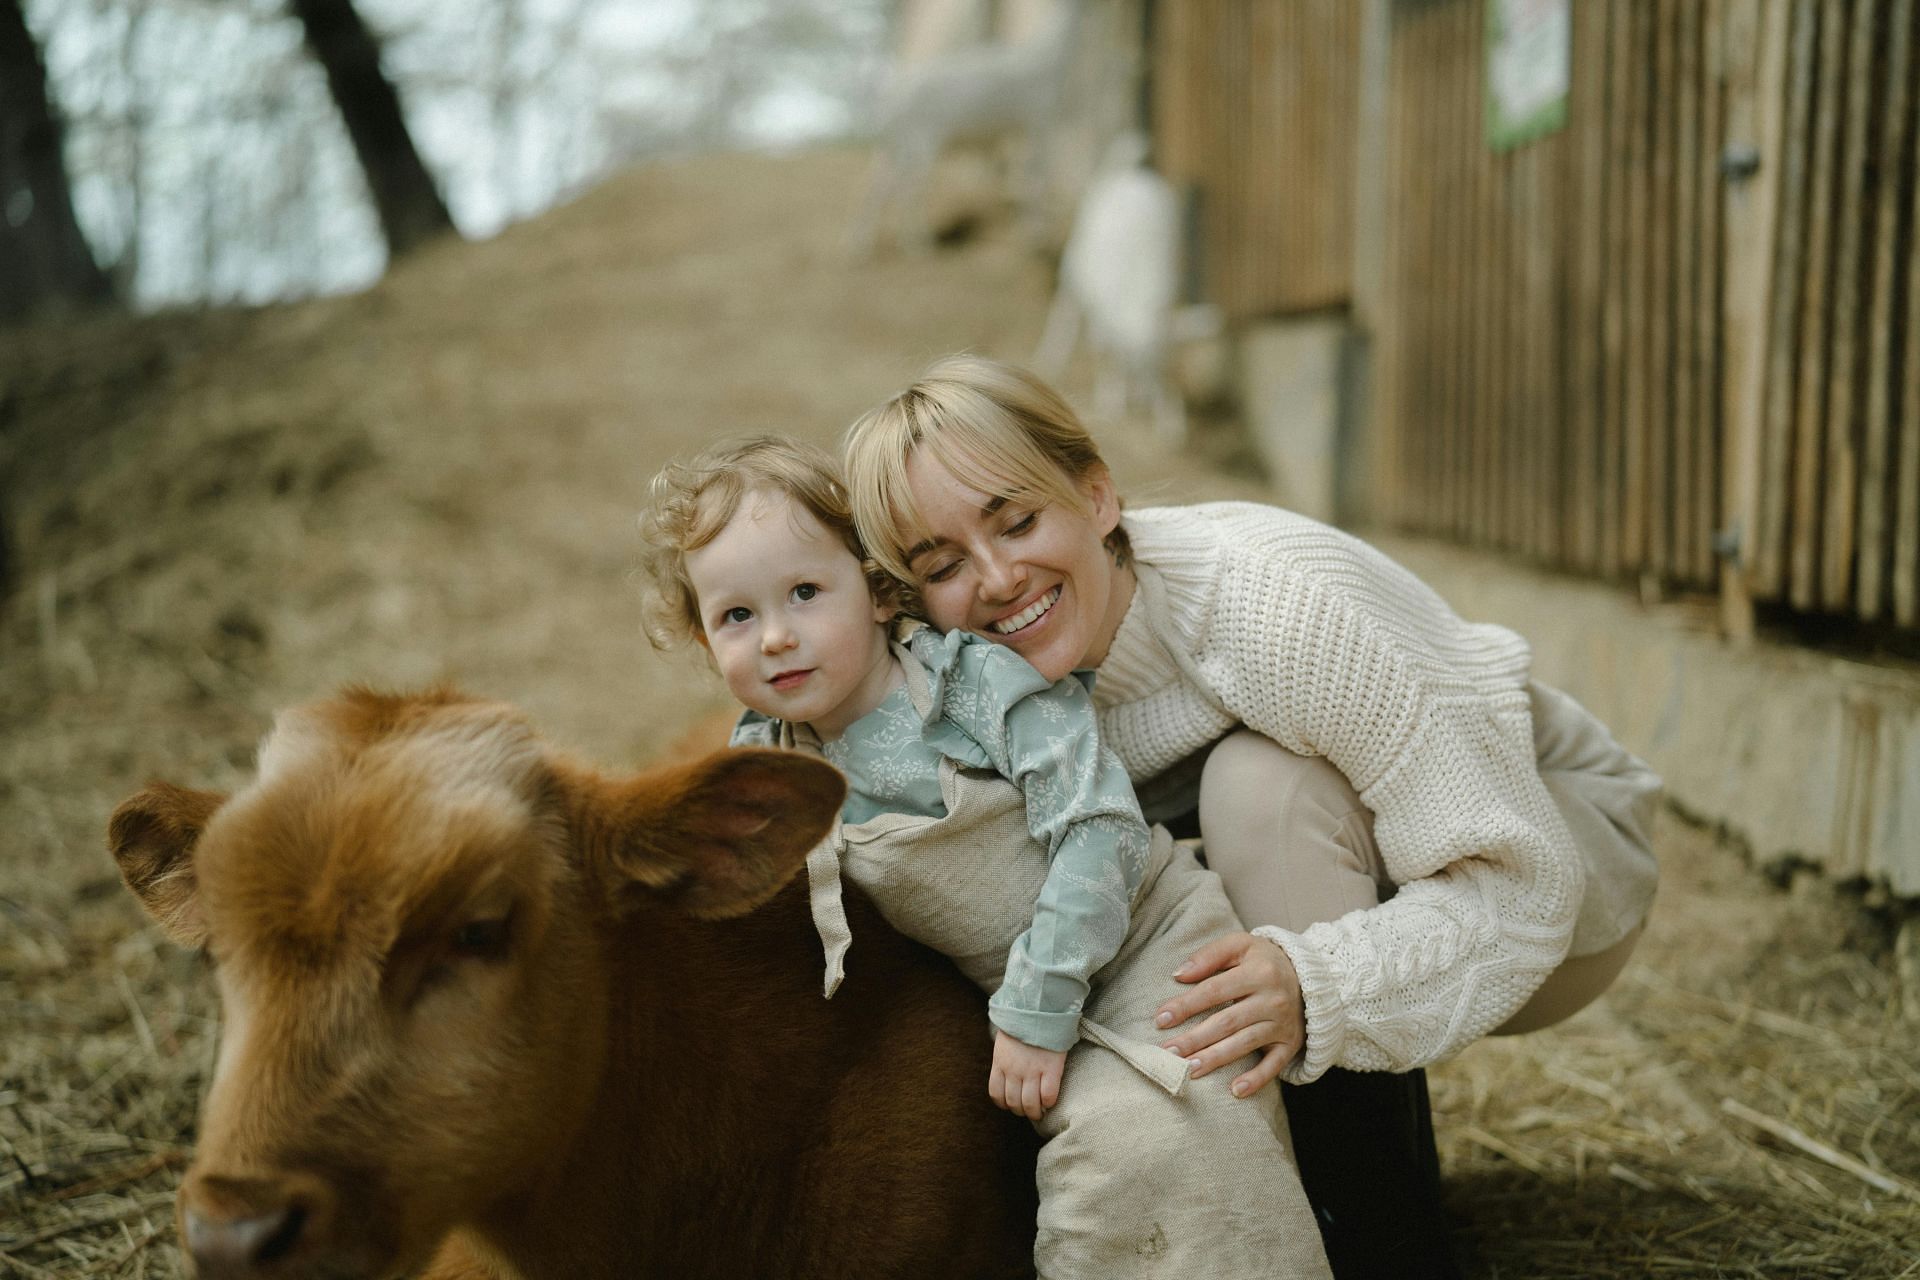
[[1178, 544]]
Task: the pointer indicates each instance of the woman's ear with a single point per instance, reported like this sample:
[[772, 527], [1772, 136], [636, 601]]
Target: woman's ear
[[1103, 498]]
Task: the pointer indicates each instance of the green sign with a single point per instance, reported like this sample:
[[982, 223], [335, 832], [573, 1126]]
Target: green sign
[[1529, 55]]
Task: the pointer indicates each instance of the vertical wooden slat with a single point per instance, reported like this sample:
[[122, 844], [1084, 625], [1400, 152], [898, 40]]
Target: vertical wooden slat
[[1637, 428], [1620, 94], [1891, 250], [1406, 290], [1460, 201], [1415, 267], [1657, 474], [1906, 543], [1809, 419], [1846, 368], [1510, 231], [1426, 416], [1486, 356], [1686, 280], [1547, 414], [1705, 408], [1587, 402], [1754, 43], [1776, 434]]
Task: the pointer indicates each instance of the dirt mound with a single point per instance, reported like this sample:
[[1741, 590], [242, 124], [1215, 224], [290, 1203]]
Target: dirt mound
[[214, 515]]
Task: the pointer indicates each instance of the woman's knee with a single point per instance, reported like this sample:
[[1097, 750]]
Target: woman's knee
[[1287, 834], [1253, 784]]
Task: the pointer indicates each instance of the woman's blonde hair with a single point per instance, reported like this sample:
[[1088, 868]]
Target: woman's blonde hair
[[995, 427], [689, 503]]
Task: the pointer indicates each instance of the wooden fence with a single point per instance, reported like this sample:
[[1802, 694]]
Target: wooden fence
[[1253, 110], [1623, 348]]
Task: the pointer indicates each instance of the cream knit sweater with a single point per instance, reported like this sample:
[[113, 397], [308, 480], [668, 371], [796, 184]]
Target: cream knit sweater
[[1251, 615]]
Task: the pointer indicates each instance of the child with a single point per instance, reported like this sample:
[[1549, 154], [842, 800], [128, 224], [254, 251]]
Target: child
[[986, 820], [1431, 845]]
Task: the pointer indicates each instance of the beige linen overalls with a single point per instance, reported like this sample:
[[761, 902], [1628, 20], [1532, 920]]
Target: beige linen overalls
[[1144, 1172]]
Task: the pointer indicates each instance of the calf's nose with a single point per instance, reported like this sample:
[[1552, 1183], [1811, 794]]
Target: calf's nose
[[238, 1228]]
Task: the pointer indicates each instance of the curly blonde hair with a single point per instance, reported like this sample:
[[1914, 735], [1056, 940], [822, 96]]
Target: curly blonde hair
[[690, 502]]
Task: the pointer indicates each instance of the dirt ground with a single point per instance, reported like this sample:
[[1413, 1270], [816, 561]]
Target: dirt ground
[[214, 515]]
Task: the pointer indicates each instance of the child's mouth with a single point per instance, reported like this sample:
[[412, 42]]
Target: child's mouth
[[789, 679], [1027, 616]]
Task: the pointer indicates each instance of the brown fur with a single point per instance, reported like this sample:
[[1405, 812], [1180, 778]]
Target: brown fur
[[634, 1075]]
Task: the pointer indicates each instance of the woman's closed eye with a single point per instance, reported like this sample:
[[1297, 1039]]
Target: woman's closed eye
[[940, 572], [1022, 525]]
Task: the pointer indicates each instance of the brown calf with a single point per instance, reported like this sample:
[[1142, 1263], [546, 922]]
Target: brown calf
[[471, 986]]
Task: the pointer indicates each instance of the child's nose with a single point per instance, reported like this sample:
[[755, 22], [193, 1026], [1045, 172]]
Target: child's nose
[[775, 636]]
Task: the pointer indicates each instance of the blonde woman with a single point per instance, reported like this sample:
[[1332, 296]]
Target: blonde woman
[[1431, 846]]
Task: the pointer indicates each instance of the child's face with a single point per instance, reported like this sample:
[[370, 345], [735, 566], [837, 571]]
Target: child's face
[[1034, 576], [786, 613]]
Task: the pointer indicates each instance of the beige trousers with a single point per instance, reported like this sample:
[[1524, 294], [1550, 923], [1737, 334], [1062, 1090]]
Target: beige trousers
[[1328, 864]]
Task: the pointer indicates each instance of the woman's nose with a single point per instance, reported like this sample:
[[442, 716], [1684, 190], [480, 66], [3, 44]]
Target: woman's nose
[[1002, 577]]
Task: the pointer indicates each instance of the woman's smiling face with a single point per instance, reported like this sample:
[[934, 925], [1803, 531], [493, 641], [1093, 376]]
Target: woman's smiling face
[[1027, 572]]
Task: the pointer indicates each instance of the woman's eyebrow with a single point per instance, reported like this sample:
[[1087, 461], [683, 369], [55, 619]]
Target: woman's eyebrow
[[920, 548]]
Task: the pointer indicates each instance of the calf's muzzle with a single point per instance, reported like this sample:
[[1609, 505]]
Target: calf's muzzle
[[244, 1228]]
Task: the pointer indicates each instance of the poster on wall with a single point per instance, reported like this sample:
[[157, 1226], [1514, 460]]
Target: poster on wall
[[1529, 55]]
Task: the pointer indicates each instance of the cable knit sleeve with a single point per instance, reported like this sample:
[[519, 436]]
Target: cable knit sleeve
[[1325, 645]]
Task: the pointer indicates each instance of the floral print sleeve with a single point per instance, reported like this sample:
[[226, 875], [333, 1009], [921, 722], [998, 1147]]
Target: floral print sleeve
[[1080, 804]]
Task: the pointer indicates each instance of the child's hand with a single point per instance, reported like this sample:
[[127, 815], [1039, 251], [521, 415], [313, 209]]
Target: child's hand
[[1024, 1080]]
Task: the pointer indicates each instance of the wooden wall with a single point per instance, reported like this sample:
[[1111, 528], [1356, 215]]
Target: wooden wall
[[1615, 349], [1254, 106]]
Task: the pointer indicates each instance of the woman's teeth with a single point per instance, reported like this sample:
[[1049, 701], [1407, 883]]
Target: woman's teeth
[[1027, 616]]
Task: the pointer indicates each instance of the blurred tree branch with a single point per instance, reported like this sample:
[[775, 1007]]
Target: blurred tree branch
[[411, 210], [43, 254]]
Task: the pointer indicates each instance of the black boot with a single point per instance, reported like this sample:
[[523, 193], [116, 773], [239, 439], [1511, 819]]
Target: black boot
[[1364, 1142]]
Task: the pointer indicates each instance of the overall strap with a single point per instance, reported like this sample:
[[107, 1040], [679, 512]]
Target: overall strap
[[824, 900]]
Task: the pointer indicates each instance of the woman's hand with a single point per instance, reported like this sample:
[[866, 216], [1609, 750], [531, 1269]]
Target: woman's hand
[[1024, 1080], [1255, 993]]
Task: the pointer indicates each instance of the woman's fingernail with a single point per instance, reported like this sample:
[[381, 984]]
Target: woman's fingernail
[[1164, 1020], [1239, 1088], [1193, 1066], [1182, 969]]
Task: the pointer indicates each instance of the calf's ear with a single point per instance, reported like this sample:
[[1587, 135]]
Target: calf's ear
[[152, 835], [717, 836]]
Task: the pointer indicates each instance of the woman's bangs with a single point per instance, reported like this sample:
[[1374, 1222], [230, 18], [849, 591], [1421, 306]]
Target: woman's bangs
[[996, 458]]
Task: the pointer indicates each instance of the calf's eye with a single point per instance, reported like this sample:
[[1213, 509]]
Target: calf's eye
[[481, 939]]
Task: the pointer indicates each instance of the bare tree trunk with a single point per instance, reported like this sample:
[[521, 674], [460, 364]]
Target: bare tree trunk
[[43, 254], [410, 207]]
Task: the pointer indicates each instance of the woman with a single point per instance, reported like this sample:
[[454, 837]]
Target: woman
[[1430, 845]]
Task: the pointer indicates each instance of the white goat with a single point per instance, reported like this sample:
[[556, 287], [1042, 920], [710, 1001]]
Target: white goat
[[980, 94], [1120, 275]]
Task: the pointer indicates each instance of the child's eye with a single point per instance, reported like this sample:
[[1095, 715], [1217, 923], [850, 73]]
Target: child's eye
[[805, 591], [739, 613]]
